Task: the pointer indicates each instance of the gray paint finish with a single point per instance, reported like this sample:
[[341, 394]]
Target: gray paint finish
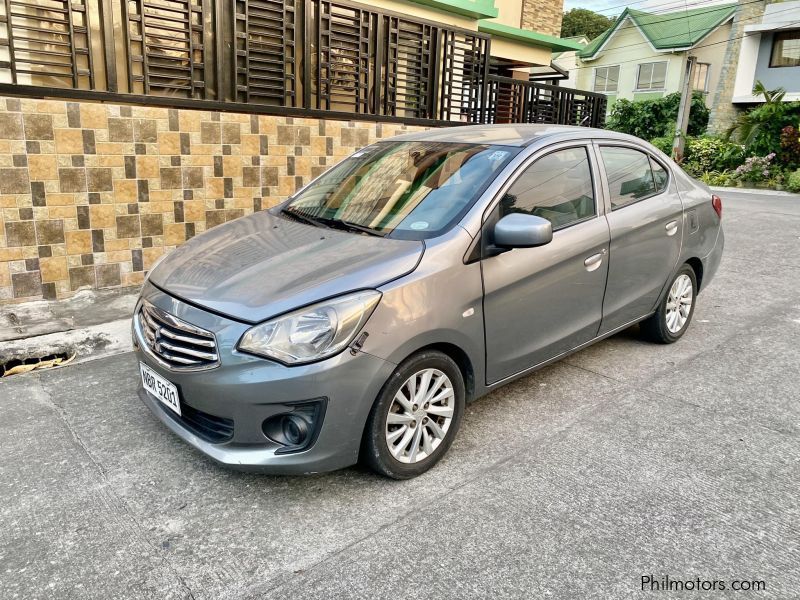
[[500, 314]]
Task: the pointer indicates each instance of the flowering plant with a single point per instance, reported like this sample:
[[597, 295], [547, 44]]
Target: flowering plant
[[755, 168]]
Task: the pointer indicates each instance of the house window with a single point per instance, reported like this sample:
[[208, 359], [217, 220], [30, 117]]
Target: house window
[[785, 50], [606, 79], [700, 83], [652, 76]]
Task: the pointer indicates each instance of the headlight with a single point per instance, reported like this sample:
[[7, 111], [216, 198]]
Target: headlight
[[313, 332]]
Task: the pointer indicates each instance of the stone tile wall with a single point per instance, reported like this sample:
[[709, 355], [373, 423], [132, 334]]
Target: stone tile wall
[[92, 194], [542, 17]]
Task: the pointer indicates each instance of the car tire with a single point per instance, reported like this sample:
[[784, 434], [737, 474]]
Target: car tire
[[672, 319], [406, 434]]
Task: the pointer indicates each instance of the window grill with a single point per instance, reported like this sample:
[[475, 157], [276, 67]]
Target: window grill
[[518, 101], [288, 57], [410, 62], [47, 43], [265, 52], [465, 62], [165, 47]]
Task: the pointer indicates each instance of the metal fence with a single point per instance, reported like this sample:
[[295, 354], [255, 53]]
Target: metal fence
[[293, 57]]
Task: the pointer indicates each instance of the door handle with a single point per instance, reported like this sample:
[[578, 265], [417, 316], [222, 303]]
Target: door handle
[[593, 262], [672, 227]]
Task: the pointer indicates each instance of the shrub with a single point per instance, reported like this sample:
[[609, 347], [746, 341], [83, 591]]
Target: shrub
[[790, 147], [715, 178], [705, 154], [656, 118], [793, 181], [759, 129], [663, 143], [755, 169]]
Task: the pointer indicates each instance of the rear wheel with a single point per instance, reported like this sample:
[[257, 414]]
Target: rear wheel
[[674, 314], [415, 417]]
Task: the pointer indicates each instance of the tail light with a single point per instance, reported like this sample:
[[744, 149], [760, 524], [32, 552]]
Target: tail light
[[716, 202]]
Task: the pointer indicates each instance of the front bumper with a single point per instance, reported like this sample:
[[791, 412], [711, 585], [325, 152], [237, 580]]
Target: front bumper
[[247, 390]]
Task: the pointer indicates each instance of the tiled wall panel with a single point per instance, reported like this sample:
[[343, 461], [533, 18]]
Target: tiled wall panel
[[92, 194]]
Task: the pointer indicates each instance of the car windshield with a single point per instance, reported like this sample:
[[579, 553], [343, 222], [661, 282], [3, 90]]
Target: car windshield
[[412, 190]]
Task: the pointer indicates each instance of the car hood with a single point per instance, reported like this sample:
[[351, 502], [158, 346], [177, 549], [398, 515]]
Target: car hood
[[262, 265]]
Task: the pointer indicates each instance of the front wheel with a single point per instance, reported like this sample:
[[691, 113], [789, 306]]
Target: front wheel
[[415, 417], [674, 314]]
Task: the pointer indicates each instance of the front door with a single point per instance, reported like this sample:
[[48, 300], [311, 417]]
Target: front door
[[646, 223], [541, 302]]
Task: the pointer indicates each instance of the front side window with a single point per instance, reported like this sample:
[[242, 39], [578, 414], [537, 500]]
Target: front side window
[[652, 76], [785, 49], [557, 187], [412, 190], [606, 79], [630, 176]]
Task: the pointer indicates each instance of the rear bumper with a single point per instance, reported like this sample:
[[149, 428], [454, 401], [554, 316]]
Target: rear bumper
[[247, 390], [712, 259]]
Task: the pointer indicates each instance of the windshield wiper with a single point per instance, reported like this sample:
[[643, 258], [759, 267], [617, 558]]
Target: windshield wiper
[[356, 227], [304, 218]]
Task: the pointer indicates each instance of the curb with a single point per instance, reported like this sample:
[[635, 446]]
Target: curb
[[754, 191]]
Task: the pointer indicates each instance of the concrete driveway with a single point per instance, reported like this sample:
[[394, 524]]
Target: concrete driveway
[[625, 460]]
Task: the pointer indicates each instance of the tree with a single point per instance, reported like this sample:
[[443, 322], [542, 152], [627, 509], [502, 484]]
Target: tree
[[582, 21]]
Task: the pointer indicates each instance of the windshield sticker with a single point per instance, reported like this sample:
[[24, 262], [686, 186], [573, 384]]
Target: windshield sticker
[[498, 155], [419, 225]]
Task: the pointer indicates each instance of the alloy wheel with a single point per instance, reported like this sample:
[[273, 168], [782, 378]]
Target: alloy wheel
[[679, 303], [420, 416]]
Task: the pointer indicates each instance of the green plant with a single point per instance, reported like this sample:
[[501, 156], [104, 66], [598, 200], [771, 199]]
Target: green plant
[[656, 118], [663, 143], [759, 129], [716, 178], [756, 169], [793, 181], [704, 154], [789, 154]]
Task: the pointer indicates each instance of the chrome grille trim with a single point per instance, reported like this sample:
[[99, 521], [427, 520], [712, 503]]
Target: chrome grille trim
[[172, 342]]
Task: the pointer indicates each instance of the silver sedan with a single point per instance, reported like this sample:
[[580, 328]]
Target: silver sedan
[[356, 319]]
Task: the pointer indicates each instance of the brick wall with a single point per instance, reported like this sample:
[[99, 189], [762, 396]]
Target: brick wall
[[543, 16], [92, 194]]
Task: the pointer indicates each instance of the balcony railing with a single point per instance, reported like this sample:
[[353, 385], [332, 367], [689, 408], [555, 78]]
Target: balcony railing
[[291, 57]]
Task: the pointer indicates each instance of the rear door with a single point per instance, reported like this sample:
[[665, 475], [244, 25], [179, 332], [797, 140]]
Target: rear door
[[645, 217], [541, 302]]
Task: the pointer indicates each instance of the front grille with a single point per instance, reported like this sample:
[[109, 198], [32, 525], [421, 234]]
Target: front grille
[[206, 426], [175, 344]]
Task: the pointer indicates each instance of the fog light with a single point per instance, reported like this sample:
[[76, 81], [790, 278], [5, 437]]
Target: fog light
[[295, 429]]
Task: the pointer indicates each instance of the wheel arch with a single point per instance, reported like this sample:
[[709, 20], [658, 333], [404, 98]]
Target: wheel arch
[[697, 267]]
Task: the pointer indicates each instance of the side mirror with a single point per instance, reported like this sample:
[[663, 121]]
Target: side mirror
[[519, 230]]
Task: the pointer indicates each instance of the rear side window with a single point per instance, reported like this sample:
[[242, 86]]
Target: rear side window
[[630, 175], [557, 187], [659, 175]]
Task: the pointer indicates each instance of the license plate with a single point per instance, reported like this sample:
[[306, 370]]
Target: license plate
[[162, 389]]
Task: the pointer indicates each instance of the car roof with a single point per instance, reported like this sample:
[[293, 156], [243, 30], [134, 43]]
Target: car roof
[[512, 134]]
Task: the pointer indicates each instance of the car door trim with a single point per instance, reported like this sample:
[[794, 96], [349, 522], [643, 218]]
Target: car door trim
[[579, 347]]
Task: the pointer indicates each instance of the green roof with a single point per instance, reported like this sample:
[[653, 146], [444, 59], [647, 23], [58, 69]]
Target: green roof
[[475, 9], [527, 37], [668, 31]]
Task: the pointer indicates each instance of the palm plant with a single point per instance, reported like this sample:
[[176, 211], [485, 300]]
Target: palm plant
[[749, 126]]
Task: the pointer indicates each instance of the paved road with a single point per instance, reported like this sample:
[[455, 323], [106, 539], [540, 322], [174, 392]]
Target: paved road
[[624, 460]]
